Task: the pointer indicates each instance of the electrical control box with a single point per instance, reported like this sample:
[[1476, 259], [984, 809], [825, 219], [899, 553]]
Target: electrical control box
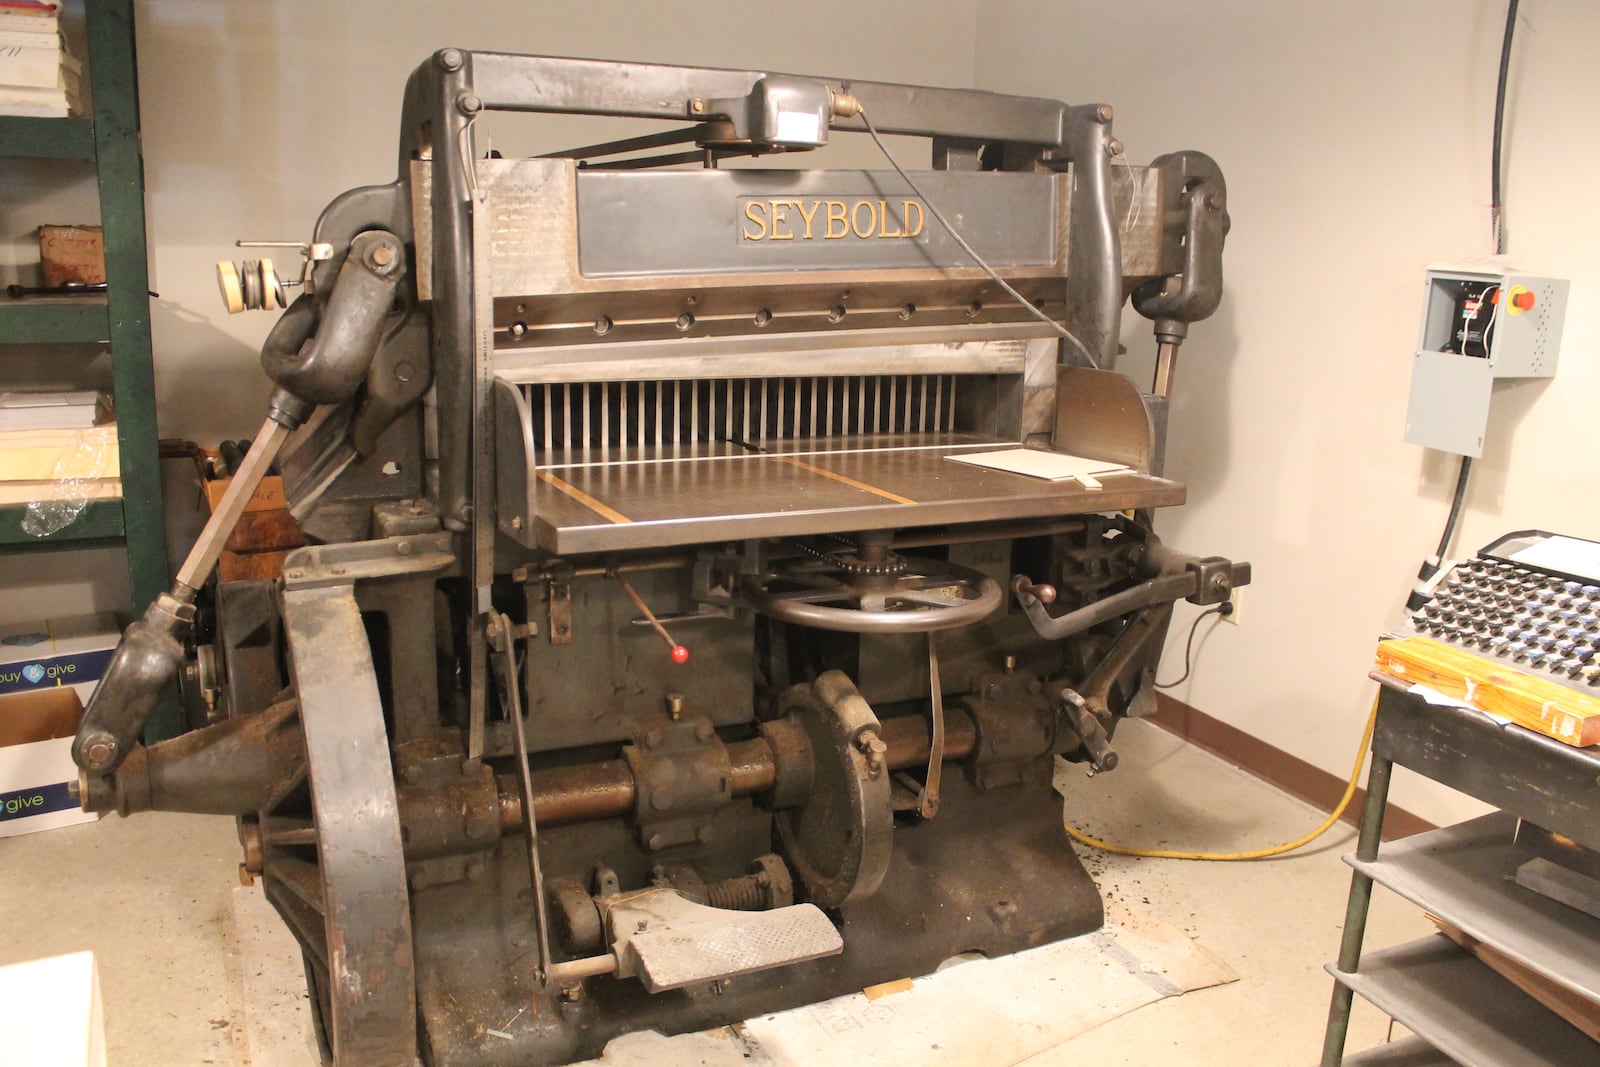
[[1477, 326]]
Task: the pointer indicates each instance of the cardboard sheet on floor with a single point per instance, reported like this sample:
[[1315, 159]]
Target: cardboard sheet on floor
[[973, 1012], [991, 1012]]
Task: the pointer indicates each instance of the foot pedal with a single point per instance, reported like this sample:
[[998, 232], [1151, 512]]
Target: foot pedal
[[668, 941]]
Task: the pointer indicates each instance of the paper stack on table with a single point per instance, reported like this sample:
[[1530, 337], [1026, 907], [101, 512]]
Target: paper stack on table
[[1037, 463], [58, 446], [37, 75]]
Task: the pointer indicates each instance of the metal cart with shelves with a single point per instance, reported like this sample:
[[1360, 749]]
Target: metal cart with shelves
[[1460, 1010]]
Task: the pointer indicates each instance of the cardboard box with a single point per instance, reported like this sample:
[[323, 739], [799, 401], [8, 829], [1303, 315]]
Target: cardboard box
[[36, 768], [47, 674], [72, 254]]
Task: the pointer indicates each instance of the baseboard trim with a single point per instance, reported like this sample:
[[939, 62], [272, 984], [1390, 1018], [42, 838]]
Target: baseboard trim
[[1290, 773]]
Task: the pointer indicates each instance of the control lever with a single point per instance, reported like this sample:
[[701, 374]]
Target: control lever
[[502, 637], [928, 802], [316, 356], [680, 654], [1182, 577], [1086, 724]]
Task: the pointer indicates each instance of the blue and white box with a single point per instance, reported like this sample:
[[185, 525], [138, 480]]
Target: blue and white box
[[47, 673]]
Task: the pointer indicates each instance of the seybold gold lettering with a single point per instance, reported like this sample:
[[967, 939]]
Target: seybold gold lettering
[[754, 211], [838, 212], [872, 219], [883, 213], [780, 214], [913, 231], [770, 220], [807, 215]]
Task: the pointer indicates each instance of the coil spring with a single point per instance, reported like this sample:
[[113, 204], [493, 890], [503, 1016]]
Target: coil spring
[[738, 894]]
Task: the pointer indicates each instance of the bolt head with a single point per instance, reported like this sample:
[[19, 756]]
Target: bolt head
[[102, 752], [383, 255], [1103, 113], [469, 104], [451, 59]]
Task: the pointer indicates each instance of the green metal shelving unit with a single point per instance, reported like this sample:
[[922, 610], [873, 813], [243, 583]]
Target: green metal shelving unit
[[120, 318]]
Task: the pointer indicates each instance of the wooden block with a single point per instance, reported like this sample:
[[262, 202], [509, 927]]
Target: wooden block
[[264, 530], [268, 495], [1572, 1006], [883, 989], [251, 566], [1536, 703]]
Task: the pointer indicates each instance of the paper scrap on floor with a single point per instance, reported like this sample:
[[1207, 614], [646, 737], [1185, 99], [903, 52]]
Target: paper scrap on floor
[[1037, 463], [975, 1012]]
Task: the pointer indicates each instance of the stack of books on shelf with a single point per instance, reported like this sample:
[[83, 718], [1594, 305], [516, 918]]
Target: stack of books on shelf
[[37, 76], [58, 446]]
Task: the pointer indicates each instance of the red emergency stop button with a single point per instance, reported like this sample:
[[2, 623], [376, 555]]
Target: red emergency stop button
[[1522, 301]]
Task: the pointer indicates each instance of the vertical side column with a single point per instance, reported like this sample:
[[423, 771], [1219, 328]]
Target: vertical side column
[[114, 81], [365, 902]]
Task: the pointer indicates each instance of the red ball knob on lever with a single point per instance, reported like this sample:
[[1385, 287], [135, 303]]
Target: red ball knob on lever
[[680, 654], [1024, 586]]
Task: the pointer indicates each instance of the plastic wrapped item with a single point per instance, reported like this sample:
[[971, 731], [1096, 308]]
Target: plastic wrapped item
[[83, 467]]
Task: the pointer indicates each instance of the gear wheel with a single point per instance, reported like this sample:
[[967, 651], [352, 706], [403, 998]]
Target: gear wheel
[[852, 563]]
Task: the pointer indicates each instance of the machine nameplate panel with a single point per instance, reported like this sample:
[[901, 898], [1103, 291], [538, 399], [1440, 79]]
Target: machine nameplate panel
[[693, 222]]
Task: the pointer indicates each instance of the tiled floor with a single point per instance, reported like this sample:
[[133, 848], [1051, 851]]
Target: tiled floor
[[185, 973]]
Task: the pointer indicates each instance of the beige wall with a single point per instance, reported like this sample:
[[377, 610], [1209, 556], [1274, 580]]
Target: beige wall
[[1356, 141]]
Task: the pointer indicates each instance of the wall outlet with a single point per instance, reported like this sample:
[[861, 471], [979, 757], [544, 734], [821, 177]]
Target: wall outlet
[[1236, 598]]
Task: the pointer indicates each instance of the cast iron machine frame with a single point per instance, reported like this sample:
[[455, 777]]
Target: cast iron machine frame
[[548, 411]]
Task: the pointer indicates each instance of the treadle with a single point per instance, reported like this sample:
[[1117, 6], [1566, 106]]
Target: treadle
[[669, 942]]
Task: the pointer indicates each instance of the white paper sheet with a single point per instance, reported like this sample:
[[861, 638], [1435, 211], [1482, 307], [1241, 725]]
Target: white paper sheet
[[1037, 463], [1567, 554]]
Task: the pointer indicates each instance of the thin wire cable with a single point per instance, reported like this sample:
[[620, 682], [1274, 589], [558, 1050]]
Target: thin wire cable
[[1260, 853], [933, 209], [1496, 209], [1455, 510], [1498, 234], [1188, 646]]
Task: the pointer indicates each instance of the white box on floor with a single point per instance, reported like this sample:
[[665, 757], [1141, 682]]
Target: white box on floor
[[50, 1012]]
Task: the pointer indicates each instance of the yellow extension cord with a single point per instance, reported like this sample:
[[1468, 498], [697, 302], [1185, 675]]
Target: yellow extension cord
[[1260, 853]]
